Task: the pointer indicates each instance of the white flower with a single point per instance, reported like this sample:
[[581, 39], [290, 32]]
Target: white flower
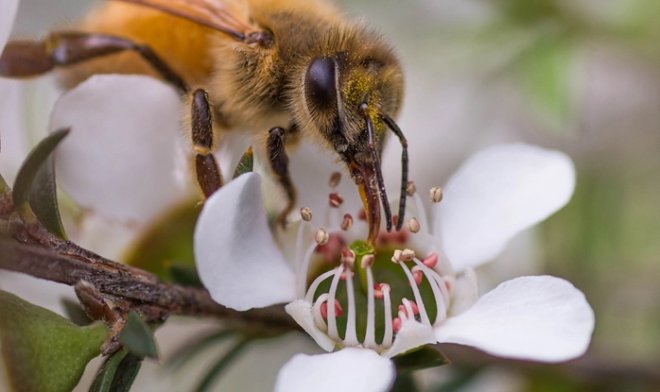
[[493, 196]]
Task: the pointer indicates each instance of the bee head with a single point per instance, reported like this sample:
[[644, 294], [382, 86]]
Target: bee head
[[349, 97]]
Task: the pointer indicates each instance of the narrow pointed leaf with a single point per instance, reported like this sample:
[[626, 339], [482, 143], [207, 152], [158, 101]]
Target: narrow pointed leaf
[[138, 338], [43, 199], [41, 350], [35, 183], [117, 373], [424, 358], [75, 312], [246, 164]]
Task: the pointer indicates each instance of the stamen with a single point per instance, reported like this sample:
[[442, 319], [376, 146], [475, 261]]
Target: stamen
[[411, 189], [335, 200], [335, 179], [339, 311], [418, 274], [347, 222], [421, 212], [304, 270], [438, 294], [436, 194], [315, 284], [387, 310], [407, 255], [431, 260], [321, 237], [413, 225], [370, 334], [332, 317], [378, 290], [350, 339], [348, 258], [416, 293], [306, 214], [396, 323], [319, 318]]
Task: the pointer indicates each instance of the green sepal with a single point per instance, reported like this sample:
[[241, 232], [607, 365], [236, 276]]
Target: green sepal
[[246, 164], [35, 184], [423, 358], [137, 337], [43, 351]]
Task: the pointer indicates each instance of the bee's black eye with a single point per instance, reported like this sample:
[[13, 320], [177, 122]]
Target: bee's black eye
[[320, 83]]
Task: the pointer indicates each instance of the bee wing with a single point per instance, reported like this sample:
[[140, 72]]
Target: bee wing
[[228, 16]]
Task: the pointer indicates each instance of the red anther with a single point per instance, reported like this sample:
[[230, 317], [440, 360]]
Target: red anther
[[331, 251], [396, 324], [362, 214], [418, 275], [395, 220], [431, 260], [335, 200], [379, 290], [401, 236], [339, 311], [402, 309], [348, 258], [342, 276], [414, 307], [347, 222]]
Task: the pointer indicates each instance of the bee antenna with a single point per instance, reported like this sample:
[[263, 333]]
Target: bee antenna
[[379, 173], [404, 166]]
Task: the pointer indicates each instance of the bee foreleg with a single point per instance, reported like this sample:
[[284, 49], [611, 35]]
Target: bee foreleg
[[207, 169], [31, 58], [279, 162]]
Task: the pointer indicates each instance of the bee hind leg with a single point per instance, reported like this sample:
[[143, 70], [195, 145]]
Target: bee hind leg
[[32, 58], [279, 163], [207, 169]]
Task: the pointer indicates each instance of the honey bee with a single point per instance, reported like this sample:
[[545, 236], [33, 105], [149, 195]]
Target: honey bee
[[298, 68]]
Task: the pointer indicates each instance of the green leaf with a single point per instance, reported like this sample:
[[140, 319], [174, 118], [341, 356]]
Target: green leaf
[[423, 358], [246, 164], [117, 373], [43, 351], [221, 365], [35, 183], [138, 338]]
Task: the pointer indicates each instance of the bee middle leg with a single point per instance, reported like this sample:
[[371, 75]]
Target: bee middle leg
[[207, 169], [279, 163], [31, 58]]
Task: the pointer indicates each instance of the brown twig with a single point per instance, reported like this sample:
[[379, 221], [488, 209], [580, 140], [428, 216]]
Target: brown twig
[[28, 248]]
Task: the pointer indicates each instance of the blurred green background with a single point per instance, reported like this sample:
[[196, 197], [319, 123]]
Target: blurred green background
[[582, 76]]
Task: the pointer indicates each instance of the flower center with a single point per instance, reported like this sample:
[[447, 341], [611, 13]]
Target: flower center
[[363, 295]]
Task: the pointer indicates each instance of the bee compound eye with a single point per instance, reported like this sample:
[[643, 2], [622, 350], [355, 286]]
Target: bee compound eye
[[320, 83]]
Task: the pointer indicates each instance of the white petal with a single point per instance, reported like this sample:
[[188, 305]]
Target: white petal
[[496, 194], [121, 156], [347, 370], [236, 256], [411, 335], [464, 293], [301, 311], [539, 318], [8, 10]]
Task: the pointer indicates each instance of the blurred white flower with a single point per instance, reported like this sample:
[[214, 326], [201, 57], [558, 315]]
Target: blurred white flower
[[493, 196]]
